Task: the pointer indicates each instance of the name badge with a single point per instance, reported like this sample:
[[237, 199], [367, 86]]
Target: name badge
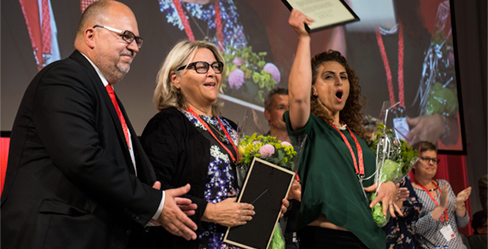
[[448, 233], [401, 127]]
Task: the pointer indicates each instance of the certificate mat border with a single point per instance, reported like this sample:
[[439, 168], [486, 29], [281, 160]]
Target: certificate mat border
[[292, 174], [356, 17]]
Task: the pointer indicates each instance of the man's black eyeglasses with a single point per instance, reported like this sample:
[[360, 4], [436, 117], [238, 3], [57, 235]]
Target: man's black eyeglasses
[[126, 35], [428, 159], [202, 67]]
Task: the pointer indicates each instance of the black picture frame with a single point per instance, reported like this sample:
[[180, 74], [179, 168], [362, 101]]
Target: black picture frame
[[450, 150], [265, 186]]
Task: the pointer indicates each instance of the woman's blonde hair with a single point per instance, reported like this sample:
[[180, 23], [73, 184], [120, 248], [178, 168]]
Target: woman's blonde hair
[[166, 94]]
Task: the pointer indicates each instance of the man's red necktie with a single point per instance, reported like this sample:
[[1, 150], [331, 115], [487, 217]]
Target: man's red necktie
[[111, 92]]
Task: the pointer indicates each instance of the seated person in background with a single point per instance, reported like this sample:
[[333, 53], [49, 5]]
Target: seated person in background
[[479, 224], [442, 211]]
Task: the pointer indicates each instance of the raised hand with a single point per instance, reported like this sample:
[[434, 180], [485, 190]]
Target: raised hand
[[463, 195], [401, 196], [443, 200], [297, 21]]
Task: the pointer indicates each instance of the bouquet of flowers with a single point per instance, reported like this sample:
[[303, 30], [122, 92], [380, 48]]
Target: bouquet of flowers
[[266, 148], [394, 160], [437, 90]]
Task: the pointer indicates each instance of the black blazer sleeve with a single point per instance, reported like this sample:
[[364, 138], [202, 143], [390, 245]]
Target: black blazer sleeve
[[179, 155]]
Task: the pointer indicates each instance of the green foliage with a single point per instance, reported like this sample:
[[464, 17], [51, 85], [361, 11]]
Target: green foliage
[[277, 241], [399, 152], [377, 213], [442, 100], [249, 147], [394, 158], [252, 66]]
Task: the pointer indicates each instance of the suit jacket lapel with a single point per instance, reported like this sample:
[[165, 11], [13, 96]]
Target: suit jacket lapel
[[102, 92]]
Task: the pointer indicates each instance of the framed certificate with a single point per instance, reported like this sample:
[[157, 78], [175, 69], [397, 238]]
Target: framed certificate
[[326, 13], [265, 186]]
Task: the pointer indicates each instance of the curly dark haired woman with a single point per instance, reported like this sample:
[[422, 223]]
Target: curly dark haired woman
[[325, 103]]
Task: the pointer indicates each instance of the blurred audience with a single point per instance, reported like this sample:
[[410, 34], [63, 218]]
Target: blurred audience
[[479, 223]]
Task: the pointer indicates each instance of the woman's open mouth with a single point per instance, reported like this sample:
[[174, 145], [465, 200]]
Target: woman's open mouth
[[339, 95]]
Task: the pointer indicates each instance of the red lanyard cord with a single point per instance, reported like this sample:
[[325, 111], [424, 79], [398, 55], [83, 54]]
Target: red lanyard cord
[[213, 135], [188, 30], [359, 171], [389, 79], [433, 199]]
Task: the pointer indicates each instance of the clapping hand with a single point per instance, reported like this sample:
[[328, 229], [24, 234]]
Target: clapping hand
[[401, 196], [443, 199], [462, 197], [174, 217]]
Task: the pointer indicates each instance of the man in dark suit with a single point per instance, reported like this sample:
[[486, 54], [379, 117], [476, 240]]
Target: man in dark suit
[[77, 176]]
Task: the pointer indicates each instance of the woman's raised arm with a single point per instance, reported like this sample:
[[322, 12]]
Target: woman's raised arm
[[300, 80]]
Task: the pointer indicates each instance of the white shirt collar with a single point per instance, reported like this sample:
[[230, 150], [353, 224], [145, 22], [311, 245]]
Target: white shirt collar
[[102, 77]]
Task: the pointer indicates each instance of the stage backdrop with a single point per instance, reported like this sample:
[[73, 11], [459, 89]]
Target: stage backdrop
[[404, 53]]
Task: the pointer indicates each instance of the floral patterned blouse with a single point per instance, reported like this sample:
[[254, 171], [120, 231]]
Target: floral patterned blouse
[[221, 181], [400, 232]]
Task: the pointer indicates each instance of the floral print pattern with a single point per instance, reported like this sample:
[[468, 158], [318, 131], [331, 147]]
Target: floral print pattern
[[220, 177], [400, 232]]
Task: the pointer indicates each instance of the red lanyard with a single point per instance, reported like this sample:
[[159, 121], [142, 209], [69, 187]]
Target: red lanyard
[[401, 93], [189, 32], [213, 135], [359, 171], [433, 199]]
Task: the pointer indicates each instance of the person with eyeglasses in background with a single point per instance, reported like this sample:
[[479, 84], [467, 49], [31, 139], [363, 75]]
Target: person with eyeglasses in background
[[77, 176], [188, 141], [442, 211]]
